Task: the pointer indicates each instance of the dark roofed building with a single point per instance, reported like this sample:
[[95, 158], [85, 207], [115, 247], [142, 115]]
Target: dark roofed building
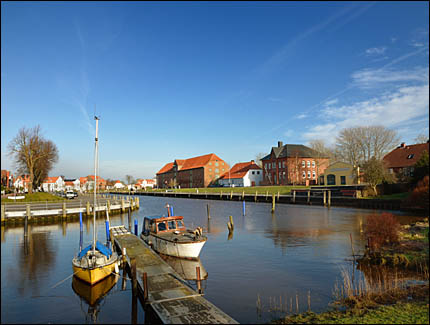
[[293, 164]]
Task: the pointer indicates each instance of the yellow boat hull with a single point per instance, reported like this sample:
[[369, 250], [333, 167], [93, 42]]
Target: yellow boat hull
[[95, 275]]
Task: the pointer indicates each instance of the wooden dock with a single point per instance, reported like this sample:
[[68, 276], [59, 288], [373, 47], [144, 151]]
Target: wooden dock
[[170, 297]]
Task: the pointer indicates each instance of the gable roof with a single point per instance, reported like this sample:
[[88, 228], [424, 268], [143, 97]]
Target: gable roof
[[239, 170], [291, 150], [50, 179], [190, 163], [399, 156], [166, 168]]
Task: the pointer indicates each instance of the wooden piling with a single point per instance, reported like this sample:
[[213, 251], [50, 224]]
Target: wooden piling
[[108, 206], [88, 208], [199, 284], [3, 212], [133, 275], [255, 199], [273, 203], [324, 198], [122, 205], [231, 195], [278, 196], [329, 198], [64, 210], [309, 196], [129, 219], [137, 202], [28, 211], [243, 195], [145, 287], [231, 222], [208, 211]]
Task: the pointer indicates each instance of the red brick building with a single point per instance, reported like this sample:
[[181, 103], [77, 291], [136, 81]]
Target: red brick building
[[198, 171], [401, 160], [6, 178], [293, 164]]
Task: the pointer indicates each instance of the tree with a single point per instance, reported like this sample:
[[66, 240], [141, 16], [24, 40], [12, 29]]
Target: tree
[[421, 138], [322, 153], [258, 158], [129, 179], [33, 155], [357, 145], [421, 167], [375, 173]]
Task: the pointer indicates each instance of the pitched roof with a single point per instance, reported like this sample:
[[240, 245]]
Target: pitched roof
[[405, 156], [50, 179], [69, 183], [291, 150], [190, 163], [166, 168], [240, 169], [83, 180]]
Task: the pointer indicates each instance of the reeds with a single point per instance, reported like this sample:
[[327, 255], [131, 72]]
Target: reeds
[[283, 305]]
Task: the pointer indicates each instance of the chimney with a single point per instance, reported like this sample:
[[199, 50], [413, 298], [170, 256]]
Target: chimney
[[402, 145], [279, 144], [252, 161]]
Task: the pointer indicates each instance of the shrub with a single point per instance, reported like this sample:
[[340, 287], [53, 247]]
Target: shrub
[[420, 194], [381, 230]]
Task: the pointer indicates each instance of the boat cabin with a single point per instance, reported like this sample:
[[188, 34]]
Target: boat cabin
[[160, 224]]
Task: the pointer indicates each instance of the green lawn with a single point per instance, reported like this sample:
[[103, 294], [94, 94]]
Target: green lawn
[[34, 197], [236, 190]]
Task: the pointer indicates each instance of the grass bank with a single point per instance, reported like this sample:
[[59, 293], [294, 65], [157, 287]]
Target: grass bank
[[33, 197], [238, 190]]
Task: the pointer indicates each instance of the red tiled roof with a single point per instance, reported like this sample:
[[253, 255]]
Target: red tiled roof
[[69, 183], [399, 156], [240, 169], [50, 179], [199, 161], [166, 168]]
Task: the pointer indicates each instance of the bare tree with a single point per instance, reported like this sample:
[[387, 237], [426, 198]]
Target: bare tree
[[357, 145], [258, 158], [322, 154], [421, 138], [375, 173], [33, 155], [129, 179]]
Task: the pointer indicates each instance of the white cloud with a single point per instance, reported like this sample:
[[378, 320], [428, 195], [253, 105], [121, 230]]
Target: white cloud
[[289, 133], [370, 78], [393, 110], [417, 44], [331, 102], [376, 50], [301, 116]]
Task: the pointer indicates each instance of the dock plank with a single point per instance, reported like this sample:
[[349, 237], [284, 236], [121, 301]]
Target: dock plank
[[170, 297]]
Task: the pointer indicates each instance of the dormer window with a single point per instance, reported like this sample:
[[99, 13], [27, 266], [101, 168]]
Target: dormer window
[[411, 156]]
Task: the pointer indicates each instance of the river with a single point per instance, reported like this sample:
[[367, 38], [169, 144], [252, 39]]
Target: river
[[269, 259]]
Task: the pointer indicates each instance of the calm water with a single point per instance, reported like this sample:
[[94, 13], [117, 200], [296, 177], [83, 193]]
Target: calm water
[[296, 249]]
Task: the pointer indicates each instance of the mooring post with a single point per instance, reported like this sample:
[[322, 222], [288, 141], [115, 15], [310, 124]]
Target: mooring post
[[3, 212], [199, 285], [122, 205], [329, 198], [231, 194], [294, 196], [324, 198], [243, 195], [28, 211], [137, 202], [243, 207], [208, 210], [64, 210], [309, 196], [255, 199], [220, 195], [107, 230], [129, 220], [81, 231], [230, 225], [171, 210], [145, 287], [273, 203], [278, 196], [88, 208], [108, 205], [133, 275], [135, 227], [267, 194], [26, 226]]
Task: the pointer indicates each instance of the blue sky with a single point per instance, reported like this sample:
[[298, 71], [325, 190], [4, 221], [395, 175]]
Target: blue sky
[[182, 79]]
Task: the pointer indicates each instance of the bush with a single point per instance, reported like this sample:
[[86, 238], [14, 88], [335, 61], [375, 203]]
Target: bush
[[420, 195], [381, 230]]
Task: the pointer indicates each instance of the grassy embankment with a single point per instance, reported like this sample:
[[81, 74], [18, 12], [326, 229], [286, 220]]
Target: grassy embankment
[[236, 190], [33, 197], [382, 298]]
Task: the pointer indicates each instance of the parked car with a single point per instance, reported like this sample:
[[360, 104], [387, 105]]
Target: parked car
[[75, 194], [70, 195]]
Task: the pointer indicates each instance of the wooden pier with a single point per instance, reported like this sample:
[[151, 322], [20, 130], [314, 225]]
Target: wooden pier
[[170, 297]]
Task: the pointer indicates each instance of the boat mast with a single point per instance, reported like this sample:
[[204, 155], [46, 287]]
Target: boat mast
[[95, 181]]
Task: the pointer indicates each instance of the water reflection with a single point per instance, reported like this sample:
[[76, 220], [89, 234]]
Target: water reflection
[[186, 268], [93, 295]]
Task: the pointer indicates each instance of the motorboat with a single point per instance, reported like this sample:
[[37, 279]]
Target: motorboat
[[168, 235]]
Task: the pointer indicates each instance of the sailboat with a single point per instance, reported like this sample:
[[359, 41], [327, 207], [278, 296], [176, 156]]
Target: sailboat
[[97, 261]]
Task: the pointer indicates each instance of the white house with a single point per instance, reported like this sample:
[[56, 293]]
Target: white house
[[22, 183], [53, 184], [72, 184], [242, 174], [142, 183], [118, 185]]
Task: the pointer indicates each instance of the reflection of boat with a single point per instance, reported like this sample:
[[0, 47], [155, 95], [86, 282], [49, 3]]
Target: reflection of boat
[[168, 236], [95, 262], [92, 294], [186, 268]]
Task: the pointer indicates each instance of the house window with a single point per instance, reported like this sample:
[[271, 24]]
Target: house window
[[216, 170], [309, 174], [216, 164], [258, 172], [283, 175], [313, 163], [411, 156], [309, 163], [304, 174], [313, 174], [273, 165], [253, 173], [331, 179], [210, 163], [268, 166], [342, 180], [303, 164], [210, 169], [279, 164], [283, 164], [274, 178]]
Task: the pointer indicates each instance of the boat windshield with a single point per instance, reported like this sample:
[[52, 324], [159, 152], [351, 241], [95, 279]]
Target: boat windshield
[[161, 226], [172, 224], [180, 224]]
